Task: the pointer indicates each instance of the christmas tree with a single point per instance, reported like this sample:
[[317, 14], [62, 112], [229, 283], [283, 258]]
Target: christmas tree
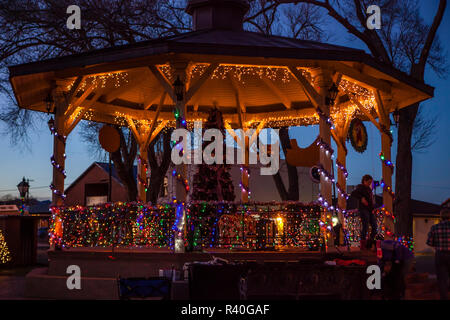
[[213, 182], [4, 252]]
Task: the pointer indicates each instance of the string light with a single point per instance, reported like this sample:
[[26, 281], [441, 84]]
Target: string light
[[59, 167], [386, 162], [144, 164], [215, 224], [342, 168], [245, 187], [5, 255], [181, 180], [325, 146]]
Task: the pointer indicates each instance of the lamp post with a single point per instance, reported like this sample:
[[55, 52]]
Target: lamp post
[[332, 95], [23, 188], [396, 116]]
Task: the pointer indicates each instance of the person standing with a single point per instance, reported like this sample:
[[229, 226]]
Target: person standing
[[395, 262], [439, 238], [363, 193]]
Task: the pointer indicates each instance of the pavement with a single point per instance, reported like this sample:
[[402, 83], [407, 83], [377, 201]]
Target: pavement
[[12, 281]]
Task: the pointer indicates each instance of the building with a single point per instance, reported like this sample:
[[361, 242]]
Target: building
[[91, 187]]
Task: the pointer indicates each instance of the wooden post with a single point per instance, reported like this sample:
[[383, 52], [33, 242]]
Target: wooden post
[[342, 180], [323, 81], [142, 173], [180, 107], [382, 110], [244, 177], [59, 148], [387, 177]]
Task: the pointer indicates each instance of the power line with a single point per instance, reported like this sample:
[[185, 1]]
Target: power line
[[32, 188]]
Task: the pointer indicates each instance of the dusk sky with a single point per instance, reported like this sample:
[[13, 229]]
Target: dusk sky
[[431, 174]]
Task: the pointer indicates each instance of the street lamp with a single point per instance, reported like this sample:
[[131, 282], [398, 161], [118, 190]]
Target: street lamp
[[332, 95], [51, 124], [48, 102], [23, 188], [396, 116]]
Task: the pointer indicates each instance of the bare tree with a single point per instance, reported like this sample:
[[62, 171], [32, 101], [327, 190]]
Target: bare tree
[[424, 129], [159, 153], [35, 30], [406, 42]]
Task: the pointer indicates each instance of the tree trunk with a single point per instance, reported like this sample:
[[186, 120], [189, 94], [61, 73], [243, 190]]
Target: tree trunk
[[403, 172], [292, 192], [158, 172], [123, 160]]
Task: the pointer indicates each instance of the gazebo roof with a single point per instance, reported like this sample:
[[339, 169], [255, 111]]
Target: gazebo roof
[[246, 68]]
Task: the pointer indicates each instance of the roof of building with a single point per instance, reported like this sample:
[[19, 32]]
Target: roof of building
[[218, 42], [419, 208]]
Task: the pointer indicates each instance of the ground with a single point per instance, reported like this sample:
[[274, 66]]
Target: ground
[[12, 281]]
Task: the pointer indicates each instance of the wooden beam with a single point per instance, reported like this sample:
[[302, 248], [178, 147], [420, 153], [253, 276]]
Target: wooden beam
[[155, 132], [310, 92], [164, 82], [232, 133], [72, 125], [74, 89], [255, 134], [158, 110], [86, 93], [133, 128], [383, 114], [277, 92], [366, 113], [197, 85], [360, 78]]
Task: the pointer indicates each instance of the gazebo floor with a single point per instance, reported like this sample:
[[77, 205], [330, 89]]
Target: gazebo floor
[[100, 267]]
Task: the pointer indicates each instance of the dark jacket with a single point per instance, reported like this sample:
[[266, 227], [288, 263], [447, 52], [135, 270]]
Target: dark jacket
[[366, 192]]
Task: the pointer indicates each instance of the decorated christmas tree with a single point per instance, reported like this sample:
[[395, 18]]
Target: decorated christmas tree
[[4, 252], [213, 182]]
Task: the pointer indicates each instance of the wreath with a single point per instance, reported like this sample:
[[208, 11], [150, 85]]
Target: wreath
[[358, 135]]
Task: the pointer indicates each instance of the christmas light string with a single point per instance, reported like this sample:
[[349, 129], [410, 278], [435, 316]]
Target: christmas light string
[[342, 168], [144, 163], [342, 192], [226, 225], [387, 188], [386, 162], [327, 176], [325, 118], [5, 255], [53, 161], [181, 180], [325, 146], [245, 188]]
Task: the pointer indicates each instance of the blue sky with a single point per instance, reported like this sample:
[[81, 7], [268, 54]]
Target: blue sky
[[431, 174]]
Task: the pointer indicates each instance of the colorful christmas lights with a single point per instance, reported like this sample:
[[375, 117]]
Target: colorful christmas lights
[[5, 255]]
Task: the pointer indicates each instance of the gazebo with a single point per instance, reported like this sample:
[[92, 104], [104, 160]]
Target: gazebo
[[256, 81]]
